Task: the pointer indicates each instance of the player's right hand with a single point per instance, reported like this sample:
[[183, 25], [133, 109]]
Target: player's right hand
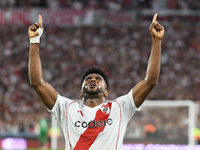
[[32, 31]]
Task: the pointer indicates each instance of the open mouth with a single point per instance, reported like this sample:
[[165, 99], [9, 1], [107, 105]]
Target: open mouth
[[92, 85]]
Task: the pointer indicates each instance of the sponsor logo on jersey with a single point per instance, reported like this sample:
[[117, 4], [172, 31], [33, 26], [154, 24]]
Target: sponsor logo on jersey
[[94, 123]]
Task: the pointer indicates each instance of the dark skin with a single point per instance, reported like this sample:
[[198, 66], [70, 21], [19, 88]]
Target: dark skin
[[94, 89]]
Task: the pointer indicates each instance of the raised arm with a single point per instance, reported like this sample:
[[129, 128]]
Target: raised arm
[[143, 88], [46, 92]]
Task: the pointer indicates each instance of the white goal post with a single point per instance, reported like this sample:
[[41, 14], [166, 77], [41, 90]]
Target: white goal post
[[179, 103], [192, 111]]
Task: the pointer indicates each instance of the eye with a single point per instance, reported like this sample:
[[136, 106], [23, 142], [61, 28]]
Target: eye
[[88, 78], [98, 78]]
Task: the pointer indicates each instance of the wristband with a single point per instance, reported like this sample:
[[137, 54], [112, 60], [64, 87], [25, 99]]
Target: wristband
[[36, 39]]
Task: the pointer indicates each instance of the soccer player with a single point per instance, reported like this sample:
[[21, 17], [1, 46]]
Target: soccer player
[[94, 123], [43, 133]]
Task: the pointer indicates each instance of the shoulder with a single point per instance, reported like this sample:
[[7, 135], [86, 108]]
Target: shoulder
[[126, 101], [62, 102], [125, 98]]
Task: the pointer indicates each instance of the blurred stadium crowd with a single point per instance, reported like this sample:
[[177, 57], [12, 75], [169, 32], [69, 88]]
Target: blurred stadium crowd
[[117, 5], [122, 52]]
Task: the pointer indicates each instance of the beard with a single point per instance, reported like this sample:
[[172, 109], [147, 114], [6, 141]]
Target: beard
[[91, 91]]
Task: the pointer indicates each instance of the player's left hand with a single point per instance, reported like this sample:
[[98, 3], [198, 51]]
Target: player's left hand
[[156, 30]]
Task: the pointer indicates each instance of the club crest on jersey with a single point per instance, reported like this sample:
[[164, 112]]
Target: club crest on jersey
[[105, 109]]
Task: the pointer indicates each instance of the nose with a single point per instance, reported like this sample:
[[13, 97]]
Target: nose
[[93, 80]]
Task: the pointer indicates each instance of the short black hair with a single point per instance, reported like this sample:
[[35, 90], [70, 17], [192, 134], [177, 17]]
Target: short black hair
[[97, 71]]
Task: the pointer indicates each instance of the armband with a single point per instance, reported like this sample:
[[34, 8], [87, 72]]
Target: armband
[[36, 39]]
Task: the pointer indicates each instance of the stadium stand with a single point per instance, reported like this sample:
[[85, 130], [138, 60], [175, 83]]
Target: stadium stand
[[122, 52]]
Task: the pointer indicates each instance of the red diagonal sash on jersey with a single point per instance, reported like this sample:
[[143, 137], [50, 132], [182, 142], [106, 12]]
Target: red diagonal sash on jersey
[[87, 138]]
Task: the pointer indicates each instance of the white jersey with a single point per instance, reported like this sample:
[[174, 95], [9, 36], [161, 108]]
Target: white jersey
[[102, 127]]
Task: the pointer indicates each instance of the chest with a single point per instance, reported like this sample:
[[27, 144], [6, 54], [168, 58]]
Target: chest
[[103, 117]]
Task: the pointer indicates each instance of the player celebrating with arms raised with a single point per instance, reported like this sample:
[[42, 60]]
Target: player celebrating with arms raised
[[94, 123]]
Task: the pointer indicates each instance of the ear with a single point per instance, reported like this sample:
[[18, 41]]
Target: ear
[[106, 93], [81, 94]]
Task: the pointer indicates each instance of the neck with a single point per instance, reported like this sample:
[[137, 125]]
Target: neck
[[92, 102]]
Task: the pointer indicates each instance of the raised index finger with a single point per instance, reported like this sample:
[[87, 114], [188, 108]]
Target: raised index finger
[[40, 19], [155, 17]]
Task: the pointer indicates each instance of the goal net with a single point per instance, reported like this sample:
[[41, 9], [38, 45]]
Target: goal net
[[158, 122], [163, 122]]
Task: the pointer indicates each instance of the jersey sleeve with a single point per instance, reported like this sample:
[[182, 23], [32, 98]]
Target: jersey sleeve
[[60, 107], [127, 105]]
